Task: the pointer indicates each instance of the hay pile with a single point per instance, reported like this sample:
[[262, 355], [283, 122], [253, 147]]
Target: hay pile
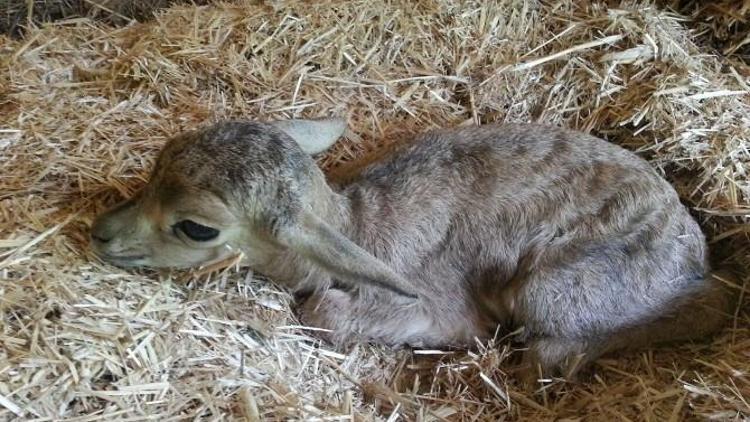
[[84, 109], [721, 24], [18, 15]]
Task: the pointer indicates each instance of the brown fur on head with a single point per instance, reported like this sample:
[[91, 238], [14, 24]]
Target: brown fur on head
[[240, 186]]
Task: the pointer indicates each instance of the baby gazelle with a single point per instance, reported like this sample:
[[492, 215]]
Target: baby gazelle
[[448, 238]]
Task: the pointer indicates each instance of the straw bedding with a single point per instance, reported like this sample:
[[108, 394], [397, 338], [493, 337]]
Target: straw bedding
[[85, 108], [722, 24], [15, 15]]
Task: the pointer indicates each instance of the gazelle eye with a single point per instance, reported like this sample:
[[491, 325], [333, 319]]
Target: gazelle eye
[[195, 231]]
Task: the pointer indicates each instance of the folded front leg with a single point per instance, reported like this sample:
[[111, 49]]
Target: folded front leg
[[389, 319]]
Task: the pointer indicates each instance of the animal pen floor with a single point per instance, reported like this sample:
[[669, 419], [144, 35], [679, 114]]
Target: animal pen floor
[[85, 108]]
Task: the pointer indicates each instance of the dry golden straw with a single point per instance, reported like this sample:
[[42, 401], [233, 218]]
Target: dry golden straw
[[85, 108]]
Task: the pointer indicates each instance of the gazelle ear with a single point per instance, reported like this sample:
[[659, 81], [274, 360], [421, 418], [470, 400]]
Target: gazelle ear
[[315, 240], [313, 136]]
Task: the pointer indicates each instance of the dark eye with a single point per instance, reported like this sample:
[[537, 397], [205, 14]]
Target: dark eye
[[195, 231]]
